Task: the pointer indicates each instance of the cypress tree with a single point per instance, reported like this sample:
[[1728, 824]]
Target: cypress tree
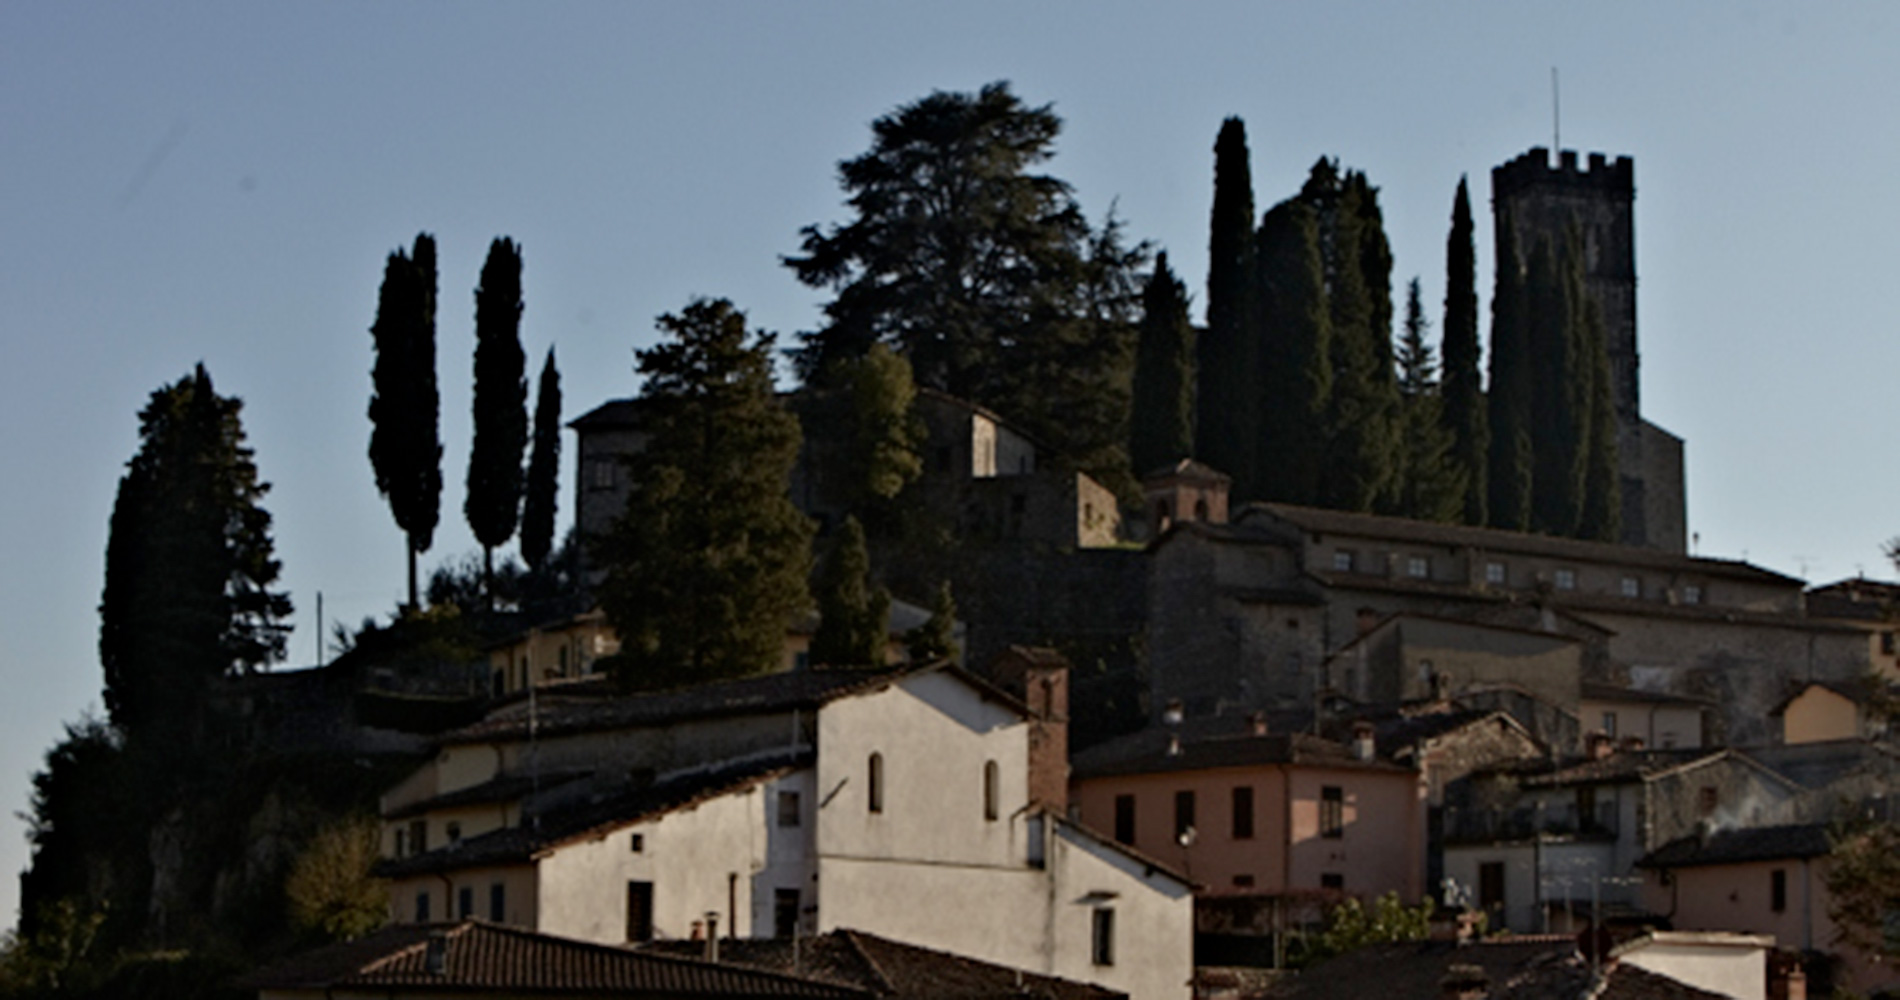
[[935, 639], [1227, 401], [1508, 402], [853, 612], [1560, 386], [404, 448], [493, 503], [1161, 423], [1462, 388], [708, 565], [1430, 485], [1296, 377], [544, 469]]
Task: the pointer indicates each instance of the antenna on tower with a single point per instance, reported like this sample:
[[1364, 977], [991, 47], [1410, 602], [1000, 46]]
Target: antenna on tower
[[1556, 117]]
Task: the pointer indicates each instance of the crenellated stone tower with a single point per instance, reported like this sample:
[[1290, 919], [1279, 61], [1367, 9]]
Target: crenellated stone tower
[[1542, 202]]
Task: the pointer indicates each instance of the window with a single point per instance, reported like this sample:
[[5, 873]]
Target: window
[[1632, 587], [1706, 800], [497, 902], [788, 811], [402, 841], [874, 784], [1332, 880], [418, 836], [1886, 643], [1692, 594], [1032, 831], [1609, 724], [1566, 579], [637, 843], [1125, 819], [1418, 567], [784, 913], [639, 911], [422, 907], [1342, 560], [1778, 890], [454, 830], [1494, 573], [1243, 881], [601, 473], [500, 683], [1586, 806], [1332, 811], [464, 902], [1243, 812], [1491, 885], [1200, 510], [1102, 935], [990, 791], [1183, 815], [563, 661]]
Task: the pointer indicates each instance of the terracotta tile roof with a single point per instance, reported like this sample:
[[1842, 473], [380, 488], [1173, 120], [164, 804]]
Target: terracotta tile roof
[[507, 788], [887, 968], [1622, 766], [521, 844], [1149, 752], [478, 956], [561, 714], [1528, 968], [1764, 843]]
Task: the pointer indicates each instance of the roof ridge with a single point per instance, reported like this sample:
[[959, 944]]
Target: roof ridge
[[851, 937], [447, 930]]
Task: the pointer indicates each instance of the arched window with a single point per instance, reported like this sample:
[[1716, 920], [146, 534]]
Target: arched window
[[990, 791], [874, 789], [1200, 510]]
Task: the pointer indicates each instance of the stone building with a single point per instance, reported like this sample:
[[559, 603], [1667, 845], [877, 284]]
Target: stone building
[[1532, 201]]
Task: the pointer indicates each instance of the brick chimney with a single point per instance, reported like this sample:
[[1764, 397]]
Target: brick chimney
[[1040, 678], [1257, 723], [1600, 745], [1363, 747]]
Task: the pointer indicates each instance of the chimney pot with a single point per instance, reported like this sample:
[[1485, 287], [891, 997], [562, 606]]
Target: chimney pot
[[1257, 723]]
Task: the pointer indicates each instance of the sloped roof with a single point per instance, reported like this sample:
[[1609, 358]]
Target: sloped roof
[[1316, 520], [521, 844], [558, 716], [1187, 469], [479, 956], [1624, 765], [1523, 968], [1148, 752], [1854, 693], [506, 788], [1610, 692], [887, 968], [1819, 764], [1728, 847]]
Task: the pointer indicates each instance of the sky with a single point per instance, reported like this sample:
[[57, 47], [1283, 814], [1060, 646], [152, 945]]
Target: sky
[[221, 183]]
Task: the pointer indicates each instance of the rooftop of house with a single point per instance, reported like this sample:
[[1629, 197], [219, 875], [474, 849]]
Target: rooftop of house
[[1317, 521], [1855, 598], [521, 844], [1186, 470], [597, 708], [1823, 762], [1856, 693], [1618, 767], [474, 956], [1523, 968], [1164, 749], [1611, 692], [1728, 847], [504, 788], [886, 968]]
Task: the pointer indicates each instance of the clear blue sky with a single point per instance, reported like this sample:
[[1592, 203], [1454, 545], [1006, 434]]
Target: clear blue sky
[[221, 182]]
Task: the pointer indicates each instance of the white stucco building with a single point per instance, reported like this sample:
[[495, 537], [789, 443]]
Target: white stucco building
[[897, 803]]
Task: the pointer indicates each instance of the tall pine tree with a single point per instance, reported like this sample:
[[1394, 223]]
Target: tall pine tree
[[404, 448], [1227, 403], [493, 503], [544, 469], [189, 569], [1508, 401], [1161, 424], [1462, 391], [1431, 486], [1294, 380], [708, 565]]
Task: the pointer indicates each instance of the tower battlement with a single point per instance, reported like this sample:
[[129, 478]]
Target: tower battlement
[[1534, 169]]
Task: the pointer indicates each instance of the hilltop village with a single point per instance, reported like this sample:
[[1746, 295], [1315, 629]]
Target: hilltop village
[[1175, 722]]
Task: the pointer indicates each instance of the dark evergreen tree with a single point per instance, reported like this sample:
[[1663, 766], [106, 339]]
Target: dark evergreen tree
[[1431, 486], [544, 469], [936, 638], [493, 503], [1602, 485], [984, 274], [1228, 400], [189, 569], [1161, 424], [1463, 389], [404, 448], [853, 611], [864, 438], [1560, 389], [1508, 401], [707, 567], [1295, 379], [1361, 429]]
